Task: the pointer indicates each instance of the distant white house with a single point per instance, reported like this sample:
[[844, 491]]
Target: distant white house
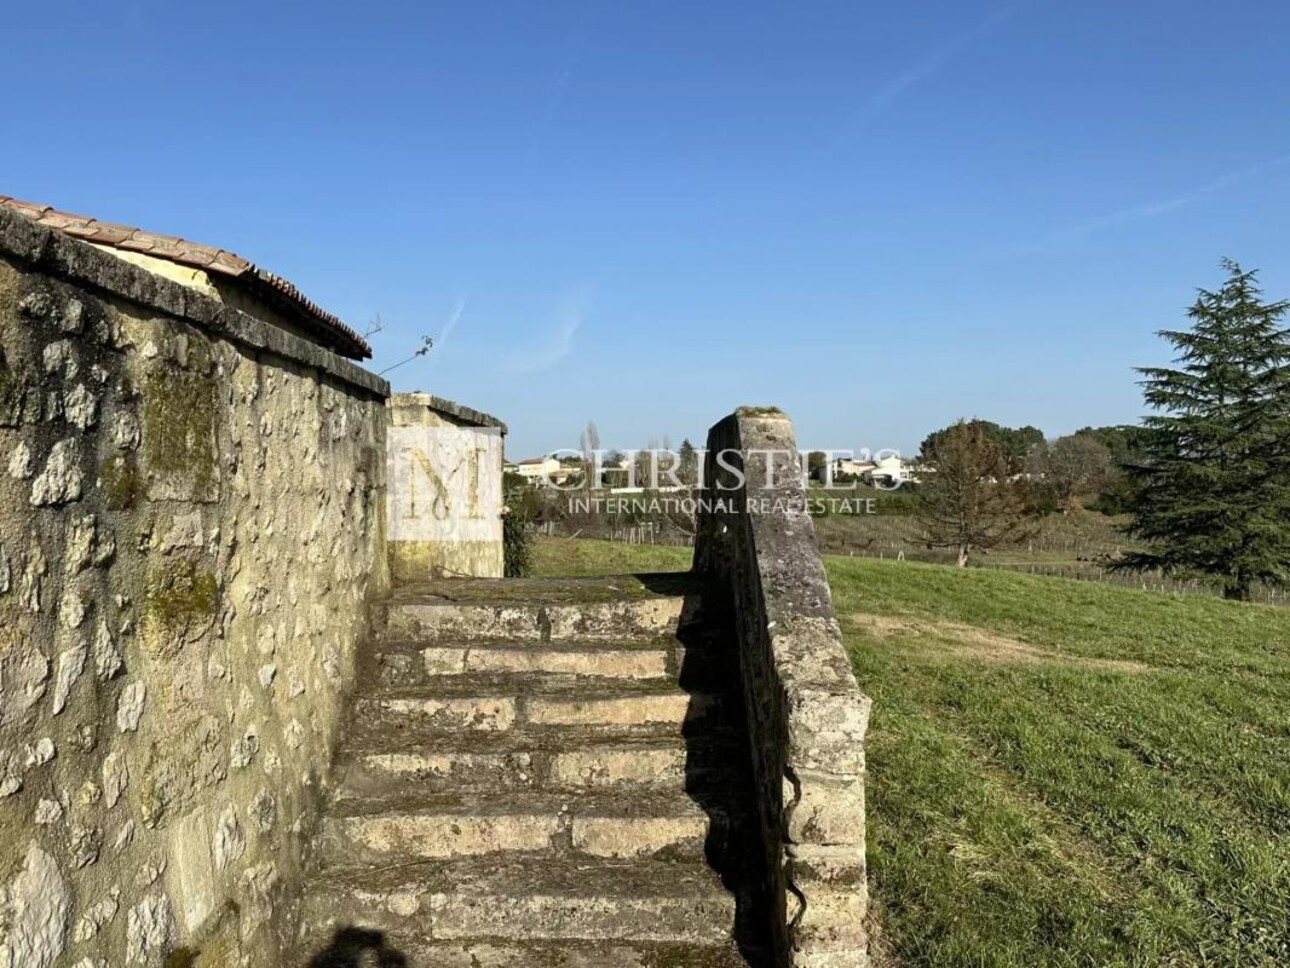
[[541, 470], [849, 467], [890, 472]]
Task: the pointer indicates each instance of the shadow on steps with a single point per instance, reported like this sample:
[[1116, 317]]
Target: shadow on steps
[[358, 948], [718, 778], [724, 790]]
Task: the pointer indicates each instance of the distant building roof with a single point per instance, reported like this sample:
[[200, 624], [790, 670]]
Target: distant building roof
[[273, 289]]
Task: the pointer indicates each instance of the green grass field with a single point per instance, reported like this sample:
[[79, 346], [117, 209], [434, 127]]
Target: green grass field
[[1060, 772]]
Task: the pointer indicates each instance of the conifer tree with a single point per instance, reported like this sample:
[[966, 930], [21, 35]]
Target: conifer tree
[[1210, 493]]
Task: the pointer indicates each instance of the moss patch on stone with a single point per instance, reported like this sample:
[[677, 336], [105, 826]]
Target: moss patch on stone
[[412, 561], [181, 595], [13, 835], [14, 382], [179, 412], [119, 482]]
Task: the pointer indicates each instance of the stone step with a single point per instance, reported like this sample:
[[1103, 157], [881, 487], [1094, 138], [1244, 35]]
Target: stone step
[[352, 944], [532, 899], [577, 589], [412, 664], [508, 702], [376, 762], [435, 620], [393, 664], [419, 827]]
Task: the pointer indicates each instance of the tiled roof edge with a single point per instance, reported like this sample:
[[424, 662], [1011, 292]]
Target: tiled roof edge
[[183, 252], [58, 254]]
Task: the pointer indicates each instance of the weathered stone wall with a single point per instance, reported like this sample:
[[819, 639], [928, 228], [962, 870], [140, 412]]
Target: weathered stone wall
[[444, 465], [806, 715], [191, 523]]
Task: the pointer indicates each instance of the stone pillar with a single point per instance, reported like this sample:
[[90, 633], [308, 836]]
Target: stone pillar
[[445, 499], [806, 715]]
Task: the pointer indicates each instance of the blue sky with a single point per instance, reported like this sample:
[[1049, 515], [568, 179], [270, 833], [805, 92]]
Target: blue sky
[[879, 217]]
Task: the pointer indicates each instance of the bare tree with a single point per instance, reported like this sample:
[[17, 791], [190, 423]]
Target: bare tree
[[589, 443], [967, 498], [1072, 467], [427, 343], [645, 462]]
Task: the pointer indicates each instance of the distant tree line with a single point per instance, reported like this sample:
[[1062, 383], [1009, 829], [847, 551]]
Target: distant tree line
[[1204, 481]]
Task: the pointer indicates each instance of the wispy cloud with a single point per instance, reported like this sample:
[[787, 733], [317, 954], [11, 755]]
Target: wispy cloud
[[441, 341], [1163, 206], [559, 343], [933, 61]]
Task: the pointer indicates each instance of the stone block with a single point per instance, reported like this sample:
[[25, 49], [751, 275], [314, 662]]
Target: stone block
[[617, 711], [600, 767], [829, 809], [484, 714], [638, 836], [440, 834]]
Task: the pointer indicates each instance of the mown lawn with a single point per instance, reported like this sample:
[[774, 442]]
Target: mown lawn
[[1060, 773]]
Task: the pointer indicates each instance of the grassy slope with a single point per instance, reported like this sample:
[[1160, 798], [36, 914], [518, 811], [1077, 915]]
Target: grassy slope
[[1061, 773], [573, 557]]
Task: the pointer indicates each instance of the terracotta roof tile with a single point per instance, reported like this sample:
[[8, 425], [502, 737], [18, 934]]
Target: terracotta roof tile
[[60, 220], [105, 234], [229, 263], [134, 243], [328, 327], [27, 208]]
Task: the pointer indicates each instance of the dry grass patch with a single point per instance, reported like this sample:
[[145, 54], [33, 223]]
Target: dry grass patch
[[971, 642]]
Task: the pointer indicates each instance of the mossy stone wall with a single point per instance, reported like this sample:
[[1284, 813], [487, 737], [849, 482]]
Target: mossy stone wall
[[190, 532]]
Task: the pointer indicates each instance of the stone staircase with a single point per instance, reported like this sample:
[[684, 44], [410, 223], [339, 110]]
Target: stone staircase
[[547, 774]]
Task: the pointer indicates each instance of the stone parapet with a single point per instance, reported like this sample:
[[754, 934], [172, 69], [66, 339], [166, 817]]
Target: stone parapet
[[807, 717]]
